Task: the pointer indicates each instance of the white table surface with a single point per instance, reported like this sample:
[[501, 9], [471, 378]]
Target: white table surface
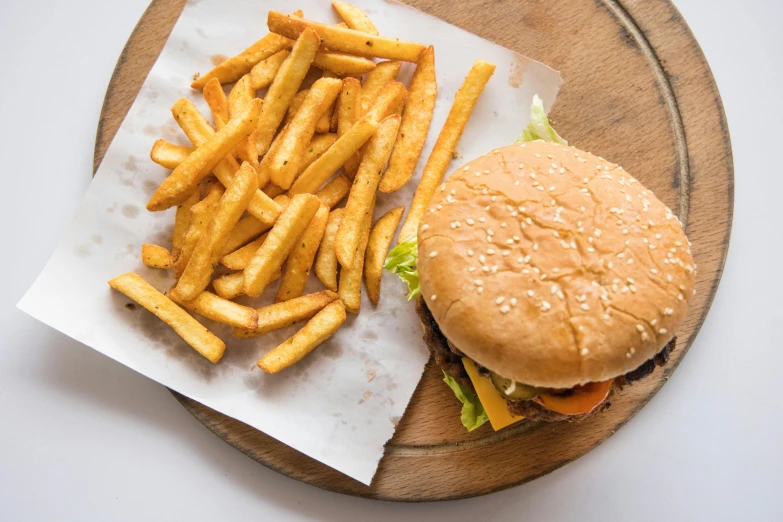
[[84, 438]]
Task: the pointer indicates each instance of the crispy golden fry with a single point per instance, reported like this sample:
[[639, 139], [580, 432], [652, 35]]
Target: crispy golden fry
[[264, 72], [293, 107], [281, 315], [318, 145], [186, 177], [299, 263], [346, 40], [330, 161], [216, 100], [237, 66], [354, 17], [349, 286], [238, 259], [208, 251], [238, 99], [201, 215], [362, 195], [169, 155], [182, 221], [326, 263], [273, 190], [391, 95], [155, 256], [284, 165], [449, 136], [194, 333], [414, 126], [324, 122], [376, 80], [279, 243], [342, 64], [335, 191], [218, 309], [247, 229], [381, 237], [350, 107], [231, 286], [287, 81], [316, 331], [199, 132]]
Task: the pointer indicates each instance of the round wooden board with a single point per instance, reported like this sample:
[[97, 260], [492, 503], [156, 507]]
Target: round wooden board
[[637, 90]]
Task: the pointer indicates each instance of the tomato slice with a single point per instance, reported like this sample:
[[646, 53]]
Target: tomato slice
[[578, 400]]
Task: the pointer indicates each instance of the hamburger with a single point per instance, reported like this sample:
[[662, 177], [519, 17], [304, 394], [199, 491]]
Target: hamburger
[[546, 278]]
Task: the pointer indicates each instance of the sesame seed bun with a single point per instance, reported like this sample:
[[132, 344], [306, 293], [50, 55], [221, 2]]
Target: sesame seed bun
[[553, 267]]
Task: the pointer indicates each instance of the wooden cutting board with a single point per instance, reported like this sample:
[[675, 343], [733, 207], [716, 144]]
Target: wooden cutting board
[[636, 90]]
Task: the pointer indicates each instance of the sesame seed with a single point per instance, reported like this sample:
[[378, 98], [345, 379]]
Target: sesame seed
[[545, 305], [562, 170], [529, 221], [662, 331], [668, 311], [527, 258], [500, 300], [433, 254], [639, 328], [549, 156], [504, 309], [433, 297], [490, 232], [520, 259], [550, 171], [467, 167], [521, 165], [645, 337], [486, 172], [505, 253], [515, 238], [453, 225], [532, 175], [439, 206], [585, 307], [490, 251], [555, 233], [509, 241], [597, 232], [538, 155], [554, 289], [560, 294], [482, 259], [585, 351], [606, 317], [482, 219], [680, 297], [424, 227], [609, 265], [472, 269], [494, 268], [480, 289], [470, 252], [469, 221], [632, 350], [630, 261], [535, 247], [530, 293], [628, 355], [590, 249], [669, 277], [540, 188], [625, 290], [502, 225], [442, 188], [555, 270]]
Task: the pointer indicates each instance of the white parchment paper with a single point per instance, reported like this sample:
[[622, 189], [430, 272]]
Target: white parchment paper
[[341, 404]]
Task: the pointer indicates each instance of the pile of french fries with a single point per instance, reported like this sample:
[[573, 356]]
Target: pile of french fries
[[258, 189]]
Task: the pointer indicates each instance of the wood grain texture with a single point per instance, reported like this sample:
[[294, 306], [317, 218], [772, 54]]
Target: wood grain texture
[[636, 90]]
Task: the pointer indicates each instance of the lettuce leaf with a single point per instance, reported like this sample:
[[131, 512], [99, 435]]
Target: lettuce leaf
[[539, 127], [473, 414], [402, 261]]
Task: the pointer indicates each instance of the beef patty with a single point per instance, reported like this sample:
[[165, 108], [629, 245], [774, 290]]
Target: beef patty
[[449, 358]]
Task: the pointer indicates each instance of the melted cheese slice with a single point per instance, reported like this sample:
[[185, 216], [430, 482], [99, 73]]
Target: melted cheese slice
[[494, 404]]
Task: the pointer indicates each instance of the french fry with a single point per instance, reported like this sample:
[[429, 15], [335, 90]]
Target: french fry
[[247, 229], [299, 263], [237, 66], [201, 215], [218, 309], [315, 149], [188, 174], [349, 287], [316, 331], [391, 96], [354, 17], [330, 161], [326, 262], [362, 194], [324, 122], [182, 221], [381, 237], [293, 107], [238, 259], [283, 88], [273, 190], [350, 106], [342, 64], [216, 100], [284, 165], [449, 136], [279, 243], [335, 191], [376, 80], [207, 253], [169, 155], [414, 126], [238, 99], [194, 333], [336, 38], [262, 74], [231, 286], [281, 315], [198, 131], [155, 256]]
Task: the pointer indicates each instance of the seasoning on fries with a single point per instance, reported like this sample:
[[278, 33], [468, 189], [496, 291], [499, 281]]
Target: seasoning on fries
[[326, 264], [155, 256], [287, 313], [381, 237]]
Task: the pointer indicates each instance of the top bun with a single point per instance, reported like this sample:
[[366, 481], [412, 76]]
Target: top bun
[[553, 267]]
